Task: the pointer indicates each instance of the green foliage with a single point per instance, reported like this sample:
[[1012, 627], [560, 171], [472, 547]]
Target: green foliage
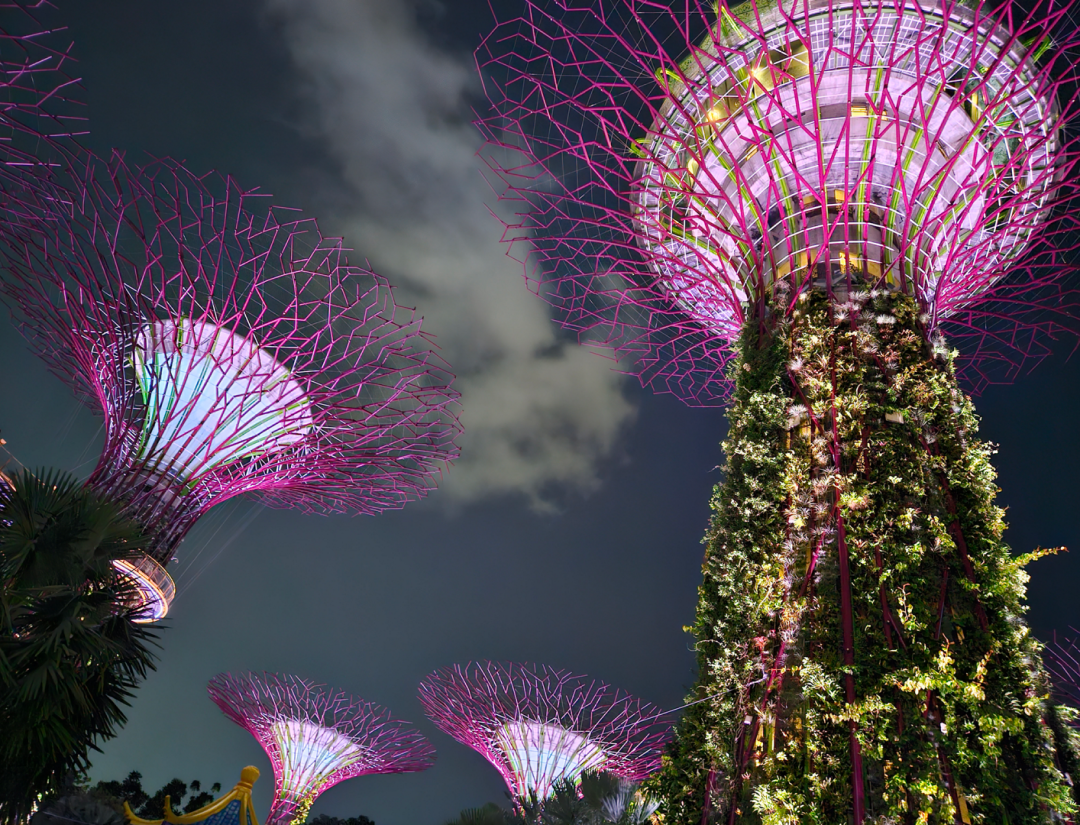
[[598, 798], [70, 653], [129, 790], [152, 806], [323, 819], [103, 804], [78, 807], [853, 468], [615, 800], [489, 814]]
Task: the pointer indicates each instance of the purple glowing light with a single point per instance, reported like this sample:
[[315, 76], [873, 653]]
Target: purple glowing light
[[316, 737], [1062, 661], [538, 725], [681, 167], [41, 104], [229, 346]]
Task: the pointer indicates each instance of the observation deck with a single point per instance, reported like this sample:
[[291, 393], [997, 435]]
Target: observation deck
[[154, 587], [908, 147]]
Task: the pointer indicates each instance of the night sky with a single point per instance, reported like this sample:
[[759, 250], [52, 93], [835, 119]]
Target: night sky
[[568, 533]]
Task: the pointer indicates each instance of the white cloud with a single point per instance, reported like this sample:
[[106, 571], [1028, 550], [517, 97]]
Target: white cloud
[[393, 111]]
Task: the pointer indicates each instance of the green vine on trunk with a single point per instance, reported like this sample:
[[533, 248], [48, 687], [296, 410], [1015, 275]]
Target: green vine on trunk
[[861, 648]]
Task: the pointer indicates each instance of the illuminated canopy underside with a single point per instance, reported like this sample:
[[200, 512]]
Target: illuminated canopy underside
[[316, 737], [537, 725], [212, 397], [907, 149], [540, 753], [310, 755]]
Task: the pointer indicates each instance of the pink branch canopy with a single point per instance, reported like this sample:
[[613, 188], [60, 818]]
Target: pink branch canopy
[[537, 725], [41, 103], [316, 737], [678, 168], [228, 345], [1062, 660]]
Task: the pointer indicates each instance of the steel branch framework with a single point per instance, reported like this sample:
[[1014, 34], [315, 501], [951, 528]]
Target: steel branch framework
[[41, 105], [316, 737], [38, 95], [229, 347], [679, 165], [1062, 660], [538, 725]]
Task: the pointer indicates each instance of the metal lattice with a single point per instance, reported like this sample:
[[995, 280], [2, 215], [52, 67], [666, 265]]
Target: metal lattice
[[316, 737], [538, 725], [682, 168], [230, 348]]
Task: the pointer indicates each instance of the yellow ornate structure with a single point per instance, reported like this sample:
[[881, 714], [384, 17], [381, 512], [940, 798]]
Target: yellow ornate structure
[[234, 808]]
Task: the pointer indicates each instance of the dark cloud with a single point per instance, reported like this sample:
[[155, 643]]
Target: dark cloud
[[392, 108]]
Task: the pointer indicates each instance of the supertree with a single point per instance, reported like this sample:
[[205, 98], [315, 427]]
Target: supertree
[[788, 205], [538, 725], [229, 347], [316, 737]]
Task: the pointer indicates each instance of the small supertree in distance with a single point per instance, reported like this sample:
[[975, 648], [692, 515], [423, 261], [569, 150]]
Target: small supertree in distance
[[538, 725], [788, 205], [230, 348], [316, 737]]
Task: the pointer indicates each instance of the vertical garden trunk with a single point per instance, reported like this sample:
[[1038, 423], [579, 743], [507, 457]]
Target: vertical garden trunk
[[861, 652]]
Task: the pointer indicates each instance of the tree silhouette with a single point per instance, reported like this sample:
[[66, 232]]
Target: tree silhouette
[[71, 650]]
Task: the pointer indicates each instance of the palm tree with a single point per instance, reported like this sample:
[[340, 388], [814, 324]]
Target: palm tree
[[70, 652], [615, 800], [489, 814]]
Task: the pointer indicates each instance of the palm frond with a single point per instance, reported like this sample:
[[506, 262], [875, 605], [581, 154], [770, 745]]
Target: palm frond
[[71, 655]]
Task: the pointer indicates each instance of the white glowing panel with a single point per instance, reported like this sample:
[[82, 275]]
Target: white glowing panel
[[310, 753], [540, 753], [212, 397]]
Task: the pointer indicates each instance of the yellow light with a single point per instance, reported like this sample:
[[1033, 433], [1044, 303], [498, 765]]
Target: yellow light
[[668, 78], [763, 77], [973, 106], [762, 73], [798, 65], [964, 816], [849, 263]]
